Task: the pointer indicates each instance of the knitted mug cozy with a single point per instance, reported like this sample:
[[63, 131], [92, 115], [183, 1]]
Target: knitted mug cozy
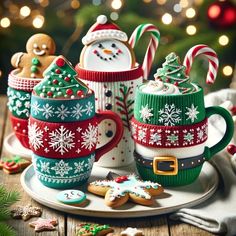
[[170, 133], [19, 95]]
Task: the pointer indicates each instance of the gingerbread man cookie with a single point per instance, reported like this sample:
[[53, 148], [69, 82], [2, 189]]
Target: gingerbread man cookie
[[13, 165], [40, 49], [25, 212], [118, 191]]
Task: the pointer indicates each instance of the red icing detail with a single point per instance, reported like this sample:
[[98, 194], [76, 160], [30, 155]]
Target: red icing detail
[[60, 62], [11, 166], [121, 179], [69, 91], [167, 80], [95, 51], [55, 81], [67, 79], [233, 110], [80, 93], [58, 71], [176, 83], [231, 148], [119, 51], [50, 93]]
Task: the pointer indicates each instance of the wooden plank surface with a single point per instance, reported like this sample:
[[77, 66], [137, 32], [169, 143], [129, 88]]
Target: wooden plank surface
[[151, 226]]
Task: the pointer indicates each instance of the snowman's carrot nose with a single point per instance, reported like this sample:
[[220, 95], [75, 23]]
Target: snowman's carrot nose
[[107, 51]]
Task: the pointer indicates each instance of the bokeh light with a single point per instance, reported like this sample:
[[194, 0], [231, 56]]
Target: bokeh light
[[5, 22], [223, 40], [25, 11], [227, 70], [38, 21], [114, 16], [116, 4], [190, 13], [191, 29], [166, 18]]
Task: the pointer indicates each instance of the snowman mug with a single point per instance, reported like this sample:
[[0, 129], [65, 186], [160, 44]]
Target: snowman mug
[[170, 134], [64, 144]]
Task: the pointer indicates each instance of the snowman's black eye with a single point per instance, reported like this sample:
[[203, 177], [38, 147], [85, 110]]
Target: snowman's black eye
[[100, 45], [113, 45]]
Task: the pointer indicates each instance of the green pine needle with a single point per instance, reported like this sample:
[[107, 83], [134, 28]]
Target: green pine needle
[[4, 213], [6, 230], [8, 198]]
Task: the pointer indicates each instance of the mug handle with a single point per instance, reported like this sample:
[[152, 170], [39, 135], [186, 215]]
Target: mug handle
[[103, 115], [209, 152]]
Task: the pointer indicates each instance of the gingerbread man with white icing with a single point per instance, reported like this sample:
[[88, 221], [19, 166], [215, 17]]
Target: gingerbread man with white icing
[[40, 53]]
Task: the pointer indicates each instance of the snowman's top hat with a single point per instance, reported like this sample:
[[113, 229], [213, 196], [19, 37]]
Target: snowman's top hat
[[103, 29]]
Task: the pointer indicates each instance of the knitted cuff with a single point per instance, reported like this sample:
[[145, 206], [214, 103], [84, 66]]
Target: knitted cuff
[[19, 103], [20, 127], [169, 110], [108, 76], [63, 110], [63, 140], [169, 136], [63, 173], [20, 83]]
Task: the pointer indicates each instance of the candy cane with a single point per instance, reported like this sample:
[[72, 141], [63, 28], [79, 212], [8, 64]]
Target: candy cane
[[211, 56], [152, 46]]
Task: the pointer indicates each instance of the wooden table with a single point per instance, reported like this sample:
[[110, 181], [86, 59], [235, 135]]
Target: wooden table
[[151, 226]]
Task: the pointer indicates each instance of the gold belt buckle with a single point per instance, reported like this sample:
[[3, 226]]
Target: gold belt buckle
[[174, 165]]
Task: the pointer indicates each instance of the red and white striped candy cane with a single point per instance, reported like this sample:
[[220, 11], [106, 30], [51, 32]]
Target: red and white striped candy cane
[[152, 46], [211, 56]]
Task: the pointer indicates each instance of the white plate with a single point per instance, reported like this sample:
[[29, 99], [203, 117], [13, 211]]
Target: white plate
[[13, 146], [171, 200]]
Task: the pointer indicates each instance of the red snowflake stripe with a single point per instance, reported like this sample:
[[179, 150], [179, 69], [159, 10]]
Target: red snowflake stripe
[[63, 140], [169, 136]]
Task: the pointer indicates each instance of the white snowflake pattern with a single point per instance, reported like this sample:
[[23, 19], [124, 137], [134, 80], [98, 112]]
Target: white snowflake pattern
[[62, 140], [61, 168], [47, 111], [142, 135], [192, 113], [44, 166], [173, 139], [88, 108], [188, 137], [79, 167], [77, 111], [35, 136], [27, 104], [170, 115], [90, 162], [62, 112], [18, 103], [89, 137], [35, 108], [200, 135], [145, 113], [155, 137]]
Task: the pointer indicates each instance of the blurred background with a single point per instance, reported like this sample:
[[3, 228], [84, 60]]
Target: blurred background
[[182, 24]]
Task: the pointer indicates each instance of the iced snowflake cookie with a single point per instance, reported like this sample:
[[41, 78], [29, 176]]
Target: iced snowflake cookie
[[93, 230], [106, 48], [132, 232], [40, 49], [72, 197], [118, 191]]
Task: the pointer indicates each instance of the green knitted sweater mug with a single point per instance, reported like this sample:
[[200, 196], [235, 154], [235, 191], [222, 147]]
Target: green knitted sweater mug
[[170, 130]]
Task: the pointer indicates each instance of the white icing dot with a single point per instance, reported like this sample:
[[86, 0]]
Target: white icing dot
[[77, 85], [35, 45], [52, 73], [18, 124], [69, 75], [52, 89], [102, 19], [57, 89], [72, 97], [41, 95], [44, 86], [44, 46], [15, 128], [60, 76], [24, 131]]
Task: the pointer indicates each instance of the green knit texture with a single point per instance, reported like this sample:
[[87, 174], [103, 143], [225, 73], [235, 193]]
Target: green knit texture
[[169, 110], [19, 103], [183, 177], [173, 72]]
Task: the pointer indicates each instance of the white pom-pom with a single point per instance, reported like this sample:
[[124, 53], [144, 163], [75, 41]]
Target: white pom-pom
[[102, 19]]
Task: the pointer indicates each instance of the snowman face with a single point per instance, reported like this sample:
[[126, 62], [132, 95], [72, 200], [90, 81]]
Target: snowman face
[[107, 55]]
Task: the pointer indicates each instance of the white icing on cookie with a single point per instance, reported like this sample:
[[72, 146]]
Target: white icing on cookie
[[19, 58], [107, 55]]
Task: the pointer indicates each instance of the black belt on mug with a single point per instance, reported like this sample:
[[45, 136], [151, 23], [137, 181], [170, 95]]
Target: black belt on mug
[[169, 165]]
